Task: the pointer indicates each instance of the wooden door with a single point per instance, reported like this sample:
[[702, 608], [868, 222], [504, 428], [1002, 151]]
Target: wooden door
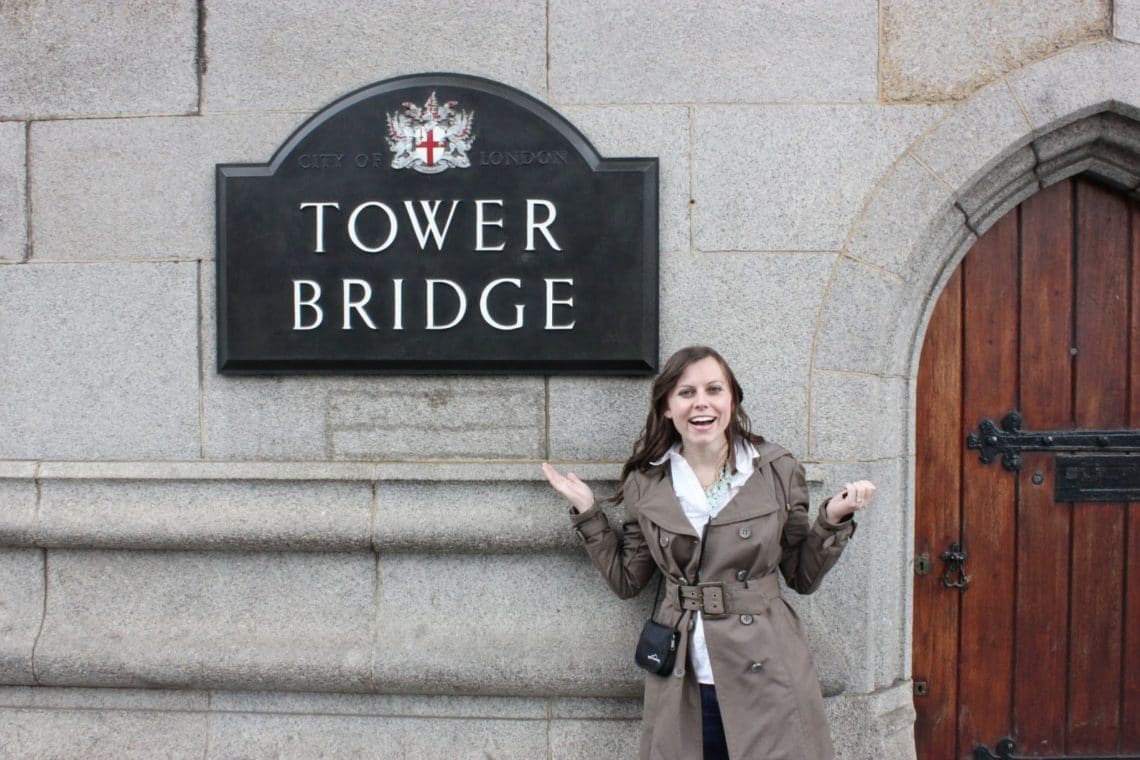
[[1043, 645]]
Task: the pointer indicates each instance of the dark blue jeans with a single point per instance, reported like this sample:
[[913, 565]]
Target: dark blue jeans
[[715, 746]]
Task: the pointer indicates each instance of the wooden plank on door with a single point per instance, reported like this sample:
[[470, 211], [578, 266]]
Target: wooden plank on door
[[1130, 691], [990, 326], [938, 447], [1042, 609], [1099, 401]]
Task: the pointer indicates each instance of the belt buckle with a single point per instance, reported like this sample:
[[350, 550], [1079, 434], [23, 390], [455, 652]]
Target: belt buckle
[[712, 599]]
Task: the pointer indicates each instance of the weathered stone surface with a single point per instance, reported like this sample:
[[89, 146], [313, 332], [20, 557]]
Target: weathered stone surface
[[280, 59], [1080, 82], [205, 515], [1001, 189], [857, 417], [341, 736], [1106, 144], [120, 156], [906, 223], [72, 59], [976, 136], [585, 708], [594, 739], [645, 52], [596, 418], [187, 619], [383, 705], [945, 51], [17, 511], [43, 733], [1126, 20], [523, 607], [21, 610], [863, 318], [62, 698], [860, 637], [474, 517], [760, 312], [878, 724], [377, 417], [660, 132], [100, 361], [799, 185], [13, 197]]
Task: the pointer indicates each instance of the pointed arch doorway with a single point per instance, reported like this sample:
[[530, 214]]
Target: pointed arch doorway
[[1037, 639]]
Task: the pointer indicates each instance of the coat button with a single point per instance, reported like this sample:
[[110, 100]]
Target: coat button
[[664, 541], [679, 673], [746, 619], [741, 575], [745, 532], [756, 667]]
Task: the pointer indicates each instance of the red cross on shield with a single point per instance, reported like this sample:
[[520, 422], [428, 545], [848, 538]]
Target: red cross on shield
[[429, 143]]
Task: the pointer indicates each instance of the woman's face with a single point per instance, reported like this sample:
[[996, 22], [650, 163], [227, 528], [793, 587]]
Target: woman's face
[[700, 405]]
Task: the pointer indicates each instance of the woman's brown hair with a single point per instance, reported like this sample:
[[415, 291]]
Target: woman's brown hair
[[659, 433]]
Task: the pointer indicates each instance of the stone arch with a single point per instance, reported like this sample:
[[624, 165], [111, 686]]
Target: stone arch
[[1075, 112]]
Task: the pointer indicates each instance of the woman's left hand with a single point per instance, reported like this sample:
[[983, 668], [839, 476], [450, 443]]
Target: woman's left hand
[[853, 498]]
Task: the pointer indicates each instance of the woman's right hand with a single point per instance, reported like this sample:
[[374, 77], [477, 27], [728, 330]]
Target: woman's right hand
[[570, 486]]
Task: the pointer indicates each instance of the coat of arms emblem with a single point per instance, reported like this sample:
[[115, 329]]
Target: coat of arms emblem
[[430, 139]]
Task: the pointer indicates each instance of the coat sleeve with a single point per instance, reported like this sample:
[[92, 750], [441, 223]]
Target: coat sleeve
[[624, 560], [809, 549]]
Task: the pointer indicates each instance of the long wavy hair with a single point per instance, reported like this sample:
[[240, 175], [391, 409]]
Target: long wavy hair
[[659, 433]]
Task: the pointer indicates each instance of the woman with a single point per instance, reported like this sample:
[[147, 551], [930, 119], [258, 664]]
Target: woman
[[708, 502]]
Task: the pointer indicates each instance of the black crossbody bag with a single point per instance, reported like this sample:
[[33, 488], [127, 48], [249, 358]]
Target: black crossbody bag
[[657, 645]]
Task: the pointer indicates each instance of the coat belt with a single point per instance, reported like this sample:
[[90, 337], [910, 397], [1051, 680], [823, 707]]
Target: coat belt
[[717, 599]]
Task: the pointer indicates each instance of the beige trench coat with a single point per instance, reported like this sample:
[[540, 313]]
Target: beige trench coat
[[766, 683]]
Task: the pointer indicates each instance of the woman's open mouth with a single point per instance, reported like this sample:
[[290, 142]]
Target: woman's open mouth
[[702, 423]]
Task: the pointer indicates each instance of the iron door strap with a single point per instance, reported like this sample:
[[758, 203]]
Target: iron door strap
[[1009, 440], [1006, 747]]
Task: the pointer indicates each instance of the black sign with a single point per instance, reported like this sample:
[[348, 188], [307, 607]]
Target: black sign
[[1097, 478], [438, 223]]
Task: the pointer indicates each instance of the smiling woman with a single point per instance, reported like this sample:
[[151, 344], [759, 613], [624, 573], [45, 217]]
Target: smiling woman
[[717, 509]]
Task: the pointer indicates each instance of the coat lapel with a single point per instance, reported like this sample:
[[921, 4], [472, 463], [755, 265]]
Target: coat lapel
[[659, 504]]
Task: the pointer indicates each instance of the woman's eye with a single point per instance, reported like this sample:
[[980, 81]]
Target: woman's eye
[[685, 393]]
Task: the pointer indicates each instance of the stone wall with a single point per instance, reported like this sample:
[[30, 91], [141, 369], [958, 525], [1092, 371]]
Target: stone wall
[[371, 565]]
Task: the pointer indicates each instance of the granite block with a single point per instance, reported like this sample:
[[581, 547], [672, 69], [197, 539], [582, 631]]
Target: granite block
[[906, 224], [117, 700], [204, 620], [662, 132], [582, 708], [269, 58], [974, 137], [866, 321], [798, 185], [1126, 20], [874, 573], [594, 739], [646, 52], [13, 191], [857, 417], [216, 515], [101, 361], [529, 611], [596, 418], [307, 736], [760, 312], [42, 733], [879, 724], [945, 51], [17, 511], [120, 156], [474, 517], [1080, 82], [21, 610], [83, 59]]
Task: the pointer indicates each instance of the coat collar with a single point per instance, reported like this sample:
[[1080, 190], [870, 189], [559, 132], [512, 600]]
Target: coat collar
[[659, 501]]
